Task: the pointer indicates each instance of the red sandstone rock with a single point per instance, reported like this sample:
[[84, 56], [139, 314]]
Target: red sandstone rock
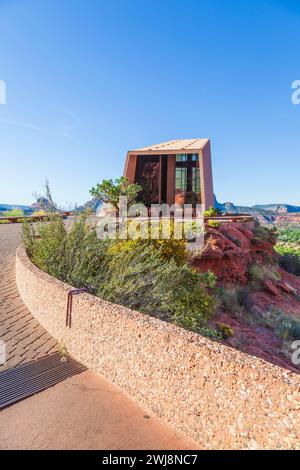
[[237, 237], [250, 235], [230, 253], [259, 245], [218, 241], [287, 288], [212, 252], [270, 287]]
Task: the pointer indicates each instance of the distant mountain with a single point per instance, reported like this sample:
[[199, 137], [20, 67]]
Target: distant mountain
[[265, 213], [40, 204], [8, 207], [93, 204], [282, 208]]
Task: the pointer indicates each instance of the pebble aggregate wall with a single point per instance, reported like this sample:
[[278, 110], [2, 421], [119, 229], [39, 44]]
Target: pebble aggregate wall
[[217, 396]]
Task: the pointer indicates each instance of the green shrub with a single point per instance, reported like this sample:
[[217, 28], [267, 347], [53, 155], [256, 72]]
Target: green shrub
[[234, 299], [214, 224], [225, 330], [38, 213], [265, 233], [244, 298], [208, 279], [209, 332], [74, 257], [290, 263], [288, 243], [13, 213], [110, 191], [212, 212], [289, 235], [262, 272], [142, 280], [284, 248], [286, 326], [227, 299], [137, 275], [171, 248]]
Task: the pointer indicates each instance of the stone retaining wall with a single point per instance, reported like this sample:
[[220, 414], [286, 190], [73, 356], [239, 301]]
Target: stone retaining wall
[[219, 397]]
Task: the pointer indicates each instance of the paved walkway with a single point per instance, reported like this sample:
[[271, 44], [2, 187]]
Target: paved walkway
[[25, 339], [83, 412]]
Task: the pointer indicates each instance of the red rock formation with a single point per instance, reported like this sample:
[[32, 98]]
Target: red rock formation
[[229, 251]]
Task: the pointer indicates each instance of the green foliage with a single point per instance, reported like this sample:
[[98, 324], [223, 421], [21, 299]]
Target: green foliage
[[89, 211], [285, 325], [212, 212], [13, 213], [72, 256], [214, 224], [225, 330], [262, 272], [110, 191], [139, 275], [234, 299], [290, 263], [244, 298], [288, 242], [209, 332], [208, 279], [169, 248], [265, 233], [289, 235], [142, 280], [38, 213], [290, 249]]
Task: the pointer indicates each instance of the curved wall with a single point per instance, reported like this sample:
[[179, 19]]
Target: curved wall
[[215, 395]]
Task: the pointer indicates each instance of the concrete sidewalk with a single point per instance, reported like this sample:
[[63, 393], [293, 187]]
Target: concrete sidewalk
[[83, 412]]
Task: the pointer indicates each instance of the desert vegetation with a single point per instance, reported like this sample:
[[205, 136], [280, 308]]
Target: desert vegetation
[[152, 277], [11, 213], [288, 247], [288, 242], [110, 191]]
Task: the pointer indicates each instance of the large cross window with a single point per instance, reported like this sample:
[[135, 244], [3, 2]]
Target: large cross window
[[187, 173]]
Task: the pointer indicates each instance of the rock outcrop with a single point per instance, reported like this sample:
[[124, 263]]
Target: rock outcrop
[[230, 250]]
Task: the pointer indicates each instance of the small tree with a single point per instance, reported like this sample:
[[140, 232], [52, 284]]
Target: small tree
[[110, 191]]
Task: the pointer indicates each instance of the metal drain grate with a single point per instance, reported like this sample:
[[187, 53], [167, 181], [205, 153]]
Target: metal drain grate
[[25, 380]]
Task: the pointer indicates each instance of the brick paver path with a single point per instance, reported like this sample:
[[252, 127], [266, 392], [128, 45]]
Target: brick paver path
[[24, 337]]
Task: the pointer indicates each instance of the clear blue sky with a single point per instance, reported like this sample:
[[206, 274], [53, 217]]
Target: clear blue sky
[[88, 80]]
